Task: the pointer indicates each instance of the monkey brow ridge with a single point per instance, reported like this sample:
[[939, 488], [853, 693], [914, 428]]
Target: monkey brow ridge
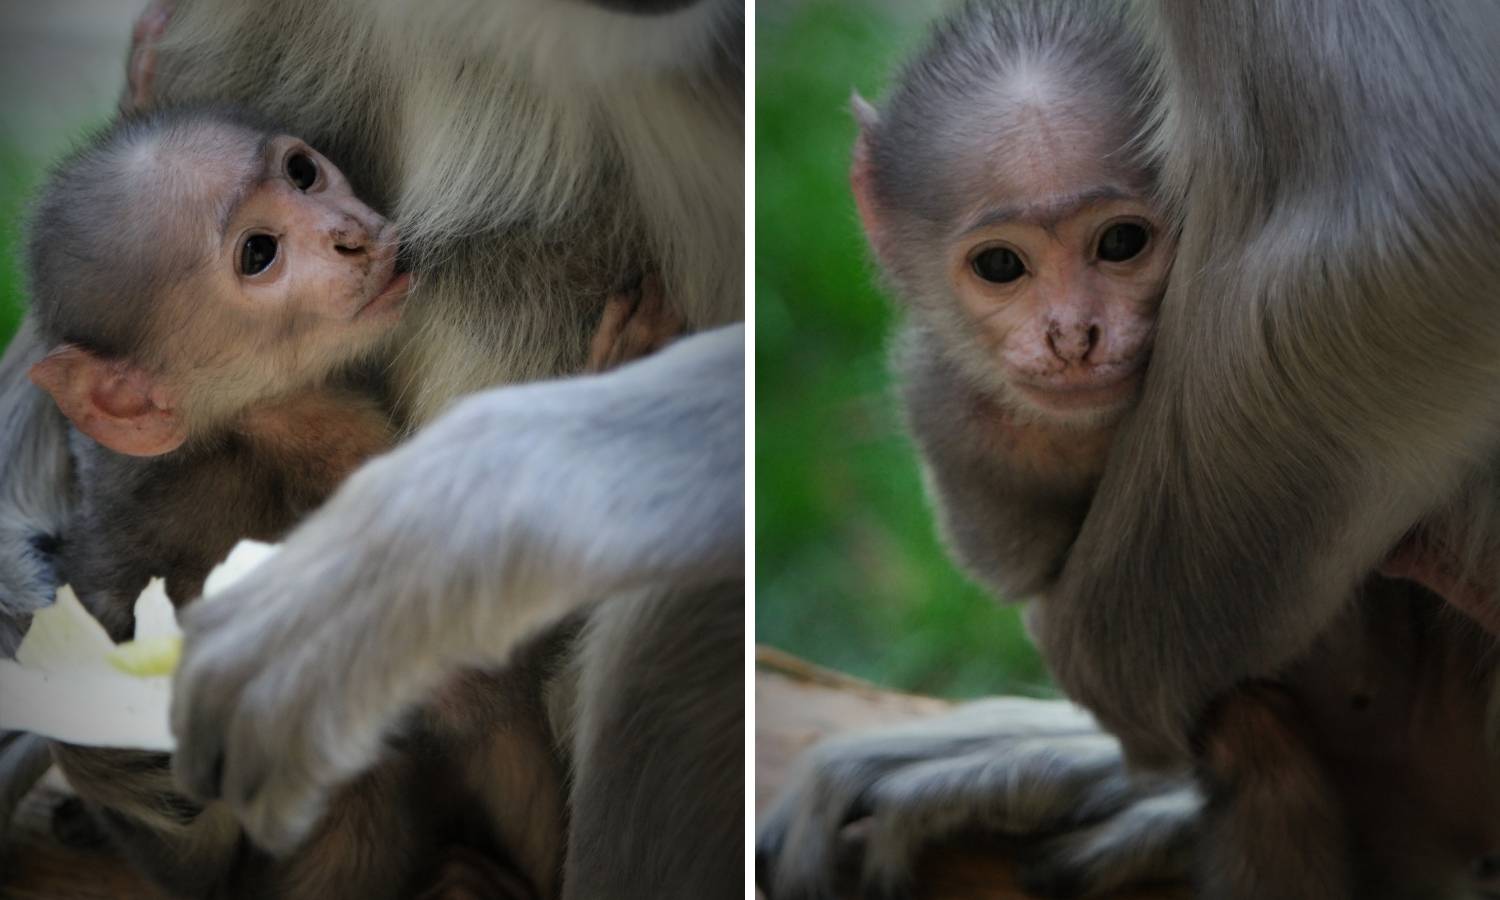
[[247, 185], [1049, 212]]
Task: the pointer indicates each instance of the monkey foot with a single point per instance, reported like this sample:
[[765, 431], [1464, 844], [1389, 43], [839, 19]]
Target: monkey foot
[[636, 323], [467, 874], [1435, 568]]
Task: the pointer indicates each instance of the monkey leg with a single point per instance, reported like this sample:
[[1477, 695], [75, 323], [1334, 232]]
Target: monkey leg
[[635, 323], [1273, 826], [657, 801], [372, 841]]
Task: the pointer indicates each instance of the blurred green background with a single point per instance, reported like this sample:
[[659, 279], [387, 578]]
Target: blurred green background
[[17, 174], [849, 569], [64, 64]]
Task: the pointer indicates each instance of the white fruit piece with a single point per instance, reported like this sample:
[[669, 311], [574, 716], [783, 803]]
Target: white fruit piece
[[70, 682]]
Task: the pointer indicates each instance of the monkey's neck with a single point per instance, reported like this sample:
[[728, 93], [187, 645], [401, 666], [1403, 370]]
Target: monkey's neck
[[1071, 455], [177, 515]]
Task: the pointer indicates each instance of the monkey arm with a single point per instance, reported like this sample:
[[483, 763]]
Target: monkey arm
[[35, 497], [1325, 371], [519, 506]]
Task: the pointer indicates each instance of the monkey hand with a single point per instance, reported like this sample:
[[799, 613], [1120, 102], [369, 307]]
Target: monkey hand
[[862, 807], [635, 324], [519, 506]]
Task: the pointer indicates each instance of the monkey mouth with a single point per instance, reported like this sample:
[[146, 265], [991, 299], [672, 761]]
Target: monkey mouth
[[388, 298], [1083, 394]]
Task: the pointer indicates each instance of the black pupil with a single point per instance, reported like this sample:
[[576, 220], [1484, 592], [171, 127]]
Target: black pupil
[[259, 251], [1121, 242], [999, 265], [301, 171]]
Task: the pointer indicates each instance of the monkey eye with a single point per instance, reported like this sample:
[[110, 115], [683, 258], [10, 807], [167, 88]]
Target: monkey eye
[[1122, 241], [257, 253], [301, 171], [998, 265]]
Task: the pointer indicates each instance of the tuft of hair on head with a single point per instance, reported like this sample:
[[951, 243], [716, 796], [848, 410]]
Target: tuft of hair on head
[[1080, 61], [103, 235]]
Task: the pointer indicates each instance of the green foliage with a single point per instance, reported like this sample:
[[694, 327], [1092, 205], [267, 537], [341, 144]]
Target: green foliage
[[18, 175], [849, 571]]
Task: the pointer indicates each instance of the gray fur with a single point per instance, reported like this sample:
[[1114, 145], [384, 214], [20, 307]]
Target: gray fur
[[1325, 374], [1011, 766], [531, 175], [98, 265], [1387, 714]]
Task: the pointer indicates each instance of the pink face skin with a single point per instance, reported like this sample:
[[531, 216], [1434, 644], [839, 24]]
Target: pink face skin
[[291, 240], [1062, 288]]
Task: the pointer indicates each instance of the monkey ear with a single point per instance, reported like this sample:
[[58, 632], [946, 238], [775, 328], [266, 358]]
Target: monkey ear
[[114, 403], [861, 175]]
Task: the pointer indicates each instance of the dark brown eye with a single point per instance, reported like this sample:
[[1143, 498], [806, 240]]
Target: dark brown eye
[[1122, 241], [998, 265], [301, 171], [258, 252]]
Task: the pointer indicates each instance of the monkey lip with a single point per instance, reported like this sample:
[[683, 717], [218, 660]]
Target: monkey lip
[[1082, 394], [389, 297]]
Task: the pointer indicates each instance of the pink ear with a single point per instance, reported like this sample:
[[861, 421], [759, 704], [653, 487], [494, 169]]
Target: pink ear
[[114, 403], [861, 175]]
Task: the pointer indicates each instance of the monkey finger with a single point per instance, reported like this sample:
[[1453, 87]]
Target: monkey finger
[[604, 347], [1149, 841]]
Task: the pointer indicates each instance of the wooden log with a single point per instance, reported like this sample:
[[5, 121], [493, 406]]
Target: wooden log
[[798, 704]]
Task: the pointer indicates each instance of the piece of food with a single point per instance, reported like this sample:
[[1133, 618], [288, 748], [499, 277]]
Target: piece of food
[[69, 681]]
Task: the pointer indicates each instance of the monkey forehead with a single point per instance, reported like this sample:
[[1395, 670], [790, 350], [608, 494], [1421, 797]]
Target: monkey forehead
[[1043, 209], [191, 180]]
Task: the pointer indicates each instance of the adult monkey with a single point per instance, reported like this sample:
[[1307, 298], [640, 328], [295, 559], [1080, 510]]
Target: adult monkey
[[1324, 376], [537, 155]]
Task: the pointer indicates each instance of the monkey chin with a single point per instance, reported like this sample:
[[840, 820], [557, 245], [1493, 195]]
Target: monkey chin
[[1083, 407]]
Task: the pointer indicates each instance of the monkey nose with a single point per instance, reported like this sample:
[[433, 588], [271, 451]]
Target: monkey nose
[[350, 238], [1073, 343]]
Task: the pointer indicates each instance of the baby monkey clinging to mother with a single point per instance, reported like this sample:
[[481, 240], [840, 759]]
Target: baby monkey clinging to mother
[[205, 284], [1016, 223], [208, 288]]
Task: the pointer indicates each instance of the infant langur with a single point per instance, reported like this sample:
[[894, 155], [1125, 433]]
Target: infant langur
[[208, 289], [1031, 270]]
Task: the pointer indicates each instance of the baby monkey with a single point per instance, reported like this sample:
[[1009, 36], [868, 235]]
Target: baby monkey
[[211, 291], [207, 287], [1002, 197]]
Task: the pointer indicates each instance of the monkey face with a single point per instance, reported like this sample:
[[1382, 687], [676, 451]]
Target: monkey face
[[300, 267], [1060, 290]]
